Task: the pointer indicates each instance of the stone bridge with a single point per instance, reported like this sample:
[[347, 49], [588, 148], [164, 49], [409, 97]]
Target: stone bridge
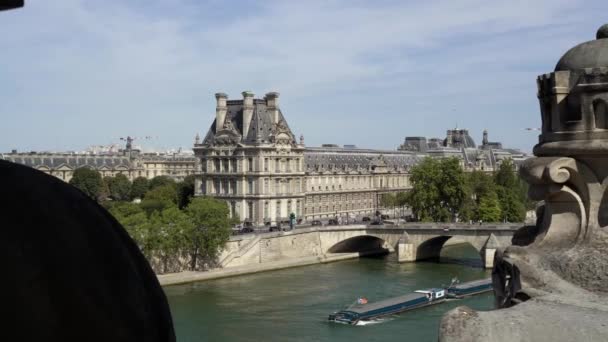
[[412, 242]]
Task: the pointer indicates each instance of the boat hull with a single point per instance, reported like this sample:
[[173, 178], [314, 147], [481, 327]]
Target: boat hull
[[388, 312]]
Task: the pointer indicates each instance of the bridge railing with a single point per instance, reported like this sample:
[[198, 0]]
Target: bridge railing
[[408, 225]]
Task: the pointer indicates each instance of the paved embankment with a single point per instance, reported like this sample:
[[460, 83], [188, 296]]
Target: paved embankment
[[191, 276]]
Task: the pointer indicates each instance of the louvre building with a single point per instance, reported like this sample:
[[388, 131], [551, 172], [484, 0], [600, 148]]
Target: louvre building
[[251, 158]]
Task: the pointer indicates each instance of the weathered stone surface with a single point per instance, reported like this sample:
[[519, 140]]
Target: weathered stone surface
[[551, 284]]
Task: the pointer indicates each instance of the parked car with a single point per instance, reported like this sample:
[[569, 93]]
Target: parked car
[[365, 219], [275, 228], [316, 223], [247, 230], [376, 223], [384, 217], [333, 222]]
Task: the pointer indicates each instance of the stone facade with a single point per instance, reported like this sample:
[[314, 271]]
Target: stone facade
[[129, 162], [250, 158]]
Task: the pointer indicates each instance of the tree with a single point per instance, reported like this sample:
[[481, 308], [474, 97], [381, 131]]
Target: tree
[[513, 208], [489, 208], [210, 230], [160, 181], [438, 189], [88, 181], [185, 191], [159, 198], [104, 191], [512, 193], [135, 221], [452, 186], [139, 187], [505, 176], [169, 229], [166, 193], [424, 194], [119, 187]]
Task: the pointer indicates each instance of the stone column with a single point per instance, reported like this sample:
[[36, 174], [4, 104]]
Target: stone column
[[406, 251], [247, 112], [220, 111], [489, 250]]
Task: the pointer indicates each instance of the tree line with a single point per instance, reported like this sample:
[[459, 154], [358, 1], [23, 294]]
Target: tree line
[[443, 192], [173, 229]]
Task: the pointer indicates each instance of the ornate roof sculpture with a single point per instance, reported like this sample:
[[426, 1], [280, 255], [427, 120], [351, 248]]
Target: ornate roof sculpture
[[556, 272], [249, 121]]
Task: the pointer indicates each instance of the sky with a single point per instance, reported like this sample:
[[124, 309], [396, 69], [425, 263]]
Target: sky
[[79, 73]]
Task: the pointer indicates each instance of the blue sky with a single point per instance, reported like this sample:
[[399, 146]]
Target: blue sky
[[79, 73]]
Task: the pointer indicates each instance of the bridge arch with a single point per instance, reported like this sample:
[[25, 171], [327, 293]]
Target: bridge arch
[[431, 248], [362, 244]]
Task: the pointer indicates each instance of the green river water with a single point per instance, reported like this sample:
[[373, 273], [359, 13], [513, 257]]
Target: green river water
[[293, 304]]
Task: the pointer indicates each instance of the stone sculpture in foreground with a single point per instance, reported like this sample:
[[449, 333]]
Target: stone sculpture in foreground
[[552, 283]]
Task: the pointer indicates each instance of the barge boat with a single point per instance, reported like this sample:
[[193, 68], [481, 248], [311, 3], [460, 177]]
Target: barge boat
[[460, 290], [364, 311]]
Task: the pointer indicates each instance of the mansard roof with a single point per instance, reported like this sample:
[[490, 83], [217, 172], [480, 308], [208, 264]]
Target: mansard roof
[[55, 161], [261, 126], [324, 158]]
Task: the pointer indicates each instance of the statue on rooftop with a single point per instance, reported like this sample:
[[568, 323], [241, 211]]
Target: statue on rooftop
[[551, 283]]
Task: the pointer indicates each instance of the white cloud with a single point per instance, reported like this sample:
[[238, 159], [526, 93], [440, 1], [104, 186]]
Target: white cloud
[[79, 74]]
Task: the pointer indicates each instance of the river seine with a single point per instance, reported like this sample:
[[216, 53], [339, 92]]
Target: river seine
[[293, 304]]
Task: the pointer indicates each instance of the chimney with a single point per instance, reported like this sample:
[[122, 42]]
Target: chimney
[[485, 137], [449, 139], [272, 103], [247, 112], [220, 111]]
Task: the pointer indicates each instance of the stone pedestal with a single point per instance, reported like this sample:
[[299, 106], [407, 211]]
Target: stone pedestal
[[488, 257], [406, 251], [550, 285]]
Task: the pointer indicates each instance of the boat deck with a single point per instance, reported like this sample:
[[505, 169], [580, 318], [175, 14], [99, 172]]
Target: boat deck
[[474, 283], [363, 308]]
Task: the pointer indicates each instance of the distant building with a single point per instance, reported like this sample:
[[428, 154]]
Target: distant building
[[129, 162], [250, 157], [459, 144]]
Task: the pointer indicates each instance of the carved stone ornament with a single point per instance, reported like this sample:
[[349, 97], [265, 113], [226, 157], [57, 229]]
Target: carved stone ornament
[[552, 283], [281, 135], [228, 135]]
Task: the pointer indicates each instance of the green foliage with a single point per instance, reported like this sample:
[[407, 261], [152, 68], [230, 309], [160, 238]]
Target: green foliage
[[88, 181], [438, 191], [388, 200], [489, 208], [160, 181], [505, 176], [441, 191], [513, 208], [164, 193], [185, 191], [132, 217], [512, 193], [168, 233], [104, 191], [153, 205], [119, 187], [211, 228], [139, 188], [402, 198]]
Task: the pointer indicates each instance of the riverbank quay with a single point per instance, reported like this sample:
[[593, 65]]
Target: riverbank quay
[[252, 253], [193, 276]]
